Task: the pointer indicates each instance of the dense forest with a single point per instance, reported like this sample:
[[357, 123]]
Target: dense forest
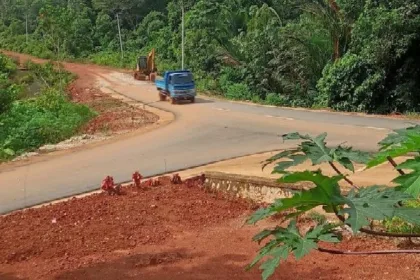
[[349, 55]]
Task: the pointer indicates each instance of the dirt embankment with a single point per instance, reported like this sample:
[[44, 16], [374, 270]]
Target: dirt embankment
[[114, 116], [166, 232]]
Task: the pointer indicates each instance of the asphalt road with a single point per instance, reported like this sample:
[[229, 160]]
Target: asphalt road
[[204, 132]]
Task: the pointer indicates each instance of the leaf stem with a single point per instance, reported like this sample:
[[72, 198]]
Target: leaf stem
[[344, 176], [393, 163], [384, 252]]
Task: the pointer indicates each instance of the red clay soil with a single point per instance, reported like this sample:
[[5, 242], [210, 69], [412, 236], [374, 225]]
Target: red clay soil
[[167, 232], [113, 115]]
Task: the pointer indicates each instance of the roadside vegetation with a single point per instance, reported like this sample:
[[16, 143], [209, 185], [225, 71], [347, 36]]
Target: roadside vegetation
[[348, 55], [35, 108], [383, 211]]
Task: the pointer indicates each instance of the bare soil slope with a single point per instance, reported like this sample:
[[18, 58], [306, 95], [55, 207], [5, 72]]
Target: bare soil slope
[[165, 232]]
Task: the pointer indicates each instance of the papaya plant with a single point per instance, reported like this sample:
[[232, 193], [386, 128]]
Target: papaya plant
[[355, 209]]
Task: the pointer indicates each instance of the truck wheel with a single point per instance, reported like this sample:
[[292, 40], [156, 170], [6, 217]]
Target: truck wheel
[[193, 100], [173, 101], [162, 97]]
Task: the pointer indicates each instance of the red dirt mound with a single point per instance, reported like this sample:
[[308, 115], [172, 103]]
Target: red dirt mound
[[103, 223], [173, 232]]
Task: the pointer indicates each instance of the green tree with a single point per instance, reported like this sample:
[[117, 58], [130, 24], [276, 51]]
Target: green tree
[[105, 33], [54, 27], [378, 73], [79, 41]]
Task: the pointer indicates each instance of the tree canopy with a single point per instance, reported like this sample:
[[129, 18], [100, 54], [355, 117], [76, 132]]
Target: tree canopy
[[349, 55]]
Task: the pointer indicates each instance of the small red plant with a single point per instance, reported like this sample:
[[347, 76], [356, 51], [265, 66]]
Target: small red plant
[[152, 183], [176, 179], [137, 179], [108, 186], [195, 181]]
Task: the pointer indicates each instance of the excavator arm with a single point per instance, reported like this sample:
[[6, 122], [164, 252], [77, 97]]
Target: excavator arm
[[146, 67]]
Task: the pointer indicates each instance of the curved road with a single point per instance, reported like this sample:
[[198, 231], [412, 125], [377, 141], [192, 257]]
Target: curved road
[[204, 132]]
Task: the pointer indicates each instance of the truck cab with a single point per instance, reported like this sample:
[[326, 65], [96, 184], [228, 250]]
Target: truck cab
[[177, 85]]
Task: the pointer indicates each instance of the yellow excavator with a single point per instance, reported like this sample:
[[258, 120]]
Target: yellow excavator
[[146, 68]]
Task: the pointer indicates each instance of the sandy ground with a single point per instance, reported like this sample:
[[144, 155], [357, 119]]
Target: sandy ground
[[251, 166]]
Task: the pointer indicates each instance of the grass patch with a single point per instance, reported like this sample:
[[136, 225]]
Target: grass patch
[[32, 119]]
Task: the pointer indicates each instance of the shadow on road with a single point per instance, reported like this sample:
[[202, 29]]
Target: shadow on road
[[197, 101]]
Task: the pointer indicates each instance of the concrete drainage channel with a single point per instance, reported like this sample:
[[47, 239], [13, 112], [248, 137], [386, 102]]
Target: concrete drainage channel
[[257, 189]]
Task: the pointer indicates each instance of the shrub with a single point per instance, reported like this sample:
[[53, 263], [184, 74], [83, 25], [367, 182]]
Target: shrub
[[165, 65], [49, 118], [349, 84], [276, 99], [114, 59], [228, 77], [207, 84], [6, 65], [7, 96], [257, 99], [238, 92]]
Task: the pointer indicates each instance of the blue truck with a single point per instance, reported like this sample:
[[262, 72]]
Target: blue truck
[[176, 86]]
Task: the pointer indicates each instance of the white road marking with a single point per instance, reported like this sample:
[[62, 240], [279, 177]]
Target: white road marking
[[221, 109], [376, 128], [282, 118], [361, 169], [287, 119]]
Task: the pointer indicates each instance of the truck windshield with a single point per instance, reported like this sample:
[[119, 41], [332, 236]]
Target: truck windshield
[[182, 78]]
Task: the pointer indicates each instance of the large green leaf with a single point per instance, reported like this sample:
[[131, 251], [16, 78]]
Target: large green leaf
[[296, 136], [326, 192], [346, 156], [281, 155], [289, 240], [409, 143], [376, 203], [397, 137], [318, 151], [315, 149], [304, 247], [262, 214], [413, 164], [410, 183], [264, 251], [269, 266], [410, 215], [283, 165]]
